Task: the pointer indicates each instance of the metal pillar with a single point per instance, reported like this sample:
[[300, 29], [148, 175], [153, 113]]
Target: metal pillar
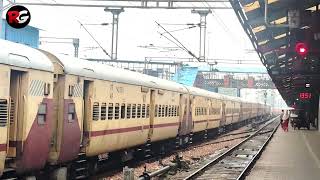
[[1, 11], [76, 42], [203, 30], [115, 28]]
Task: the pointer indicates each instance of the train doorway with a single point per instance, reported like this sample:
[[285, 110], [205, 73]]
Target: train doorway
[[152, 111], [18, 89], [87, 107]]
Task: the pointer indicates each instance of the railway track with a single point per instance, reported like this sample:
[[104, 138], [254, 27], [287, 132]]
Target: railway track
[[216, 140], [235, 163]]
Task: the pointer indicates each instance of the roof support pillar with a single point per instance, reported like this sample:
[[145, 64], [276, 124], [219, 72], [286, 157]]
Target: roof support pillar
[[115, 29], [1, 11], [203, 30]]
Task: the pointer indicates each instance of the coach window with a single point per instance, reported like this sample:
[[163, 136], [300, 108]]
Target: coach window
[[95, 111], [128, 111], [175, 110], [169, 110], [110, 111], [166, 111], [134, 111], [4, 112], [143, 111], [156, 111], [163, 111], [46, 89], [159, 111], [103, 112], [71, 112], [148, 111], [123, 111], [139, 111], [172, 111], [116, 111], [42, 113]]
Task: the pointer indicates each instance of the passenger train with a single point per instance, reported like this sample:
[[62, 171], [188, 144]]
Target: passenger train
[[54, 107]]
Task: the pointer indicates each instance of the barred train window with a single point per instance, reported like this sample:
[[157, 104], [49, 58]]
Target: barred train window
[[175, 110], [134, 111], [128, 111], [46, 89], [143, 111], [139, 111], [42, 113], [116, 111], [4, 113], [123, 111], [170, 111], [71, 112], [148, 111], [159, 111], [166, 111], [95, 111], [110, 111], [163, 111], [103, 112]]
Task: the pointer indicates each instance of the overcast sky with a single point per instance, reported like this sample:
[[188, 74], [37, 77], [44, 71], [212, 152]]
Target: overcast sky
[[225, 36]]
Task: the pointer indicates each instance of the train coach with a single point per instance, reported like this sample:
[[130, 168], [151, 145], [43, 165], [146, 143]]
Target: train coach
[[59, 107], [25, 107]]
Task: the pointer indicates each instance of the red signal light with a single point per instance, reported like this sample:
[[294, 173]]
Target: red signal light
[[302, 49]]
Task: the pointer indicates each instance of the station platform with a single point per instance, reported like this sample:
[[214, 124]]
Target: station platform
[[293, 155]]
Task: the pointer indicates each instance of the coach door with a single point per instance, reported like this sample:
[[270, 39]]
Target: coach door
[[18, 90], [87, 109], [152, 111], [223, 114], [185, 116]]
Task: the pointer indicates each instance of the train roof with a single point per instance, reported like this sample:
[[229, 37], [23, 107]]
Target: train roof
[[202, 92], [90, 69], [19, 55]]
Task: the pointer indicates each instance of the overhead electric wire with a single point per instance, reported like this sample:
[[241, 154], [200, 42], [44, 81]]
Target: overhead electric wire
[[185, 48], [220, 21], [94, 39], [173, 42], [190, 27]]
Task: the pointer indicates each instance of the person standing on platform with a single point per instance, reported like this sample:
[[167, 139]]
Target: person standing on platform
[[284, 120], [281, 116]]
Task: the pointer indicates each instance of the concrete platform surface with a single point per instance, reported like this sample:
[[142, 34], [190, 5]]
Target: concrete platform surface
[[293, 155]]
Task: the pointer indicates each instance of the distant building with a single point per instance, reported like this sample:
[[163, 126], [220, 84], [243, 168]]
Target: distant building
[[28, 35]]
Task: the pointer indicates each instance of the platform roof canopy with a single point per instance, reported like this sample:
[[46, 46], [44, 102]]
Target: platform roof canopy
[[272, 39]]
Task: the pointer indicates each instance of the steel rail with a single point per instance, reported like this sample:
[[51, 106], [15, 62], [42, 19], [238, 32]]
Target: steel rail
[[256, 156], [222, 156]]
